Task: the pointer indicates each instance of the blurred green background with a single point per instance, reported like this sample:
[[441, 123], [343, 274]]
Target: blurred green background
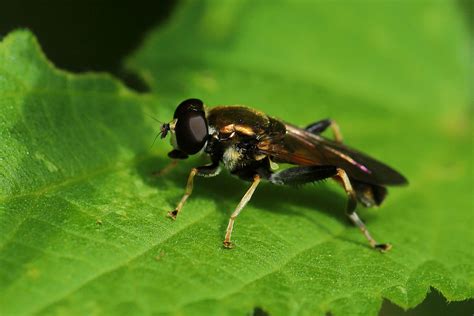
[[99, 35]]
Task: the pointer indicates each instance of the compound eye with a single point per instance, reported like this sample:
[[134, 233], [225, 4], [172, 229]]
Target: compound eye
[[189, 105], [191, 131]]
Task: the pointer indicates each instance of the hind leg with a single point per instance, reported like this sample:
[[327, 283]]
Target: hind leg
[[369, 195], [321, 126], [351, 205], [302, 175]]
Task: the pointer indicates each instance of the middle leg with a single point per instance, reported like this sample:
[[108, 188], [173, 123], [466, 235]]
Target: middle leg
[[245, 199]]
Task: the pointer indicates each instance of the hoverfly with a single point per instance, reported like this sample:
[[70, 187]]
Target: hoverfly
[[250, 144]]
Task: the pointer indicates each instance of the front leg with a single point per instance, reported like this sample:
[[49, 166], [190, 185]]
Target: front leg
[[175, 155], [170, 166], [203, 171]]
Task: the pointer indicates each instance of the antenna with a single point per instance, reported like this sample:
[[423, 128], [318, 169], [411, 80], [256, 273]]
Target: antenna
[[154, 118], [156, 137], [163, 129]]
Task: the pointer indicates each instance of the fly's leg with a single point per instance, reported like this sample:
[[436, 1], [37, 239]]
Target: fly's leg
[[321, 126], [187, 193], [175, 155], [203, 171], [170, 166], [302, 175], [246, 198], [351, 206]]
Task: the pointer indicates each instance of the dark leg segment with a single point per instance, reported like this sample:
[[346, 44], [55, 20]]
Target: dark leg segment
[[351, 206], [302, 175], [369, 194], [177, 154], [321, 126], [203, 171]]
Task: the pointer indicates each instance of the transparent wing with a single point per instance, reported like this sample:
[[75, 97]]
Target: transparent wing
[[300, 147]]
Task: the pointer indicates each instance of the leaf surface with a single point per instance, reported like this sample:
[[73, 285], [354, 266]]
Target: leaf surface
[[83, 222]]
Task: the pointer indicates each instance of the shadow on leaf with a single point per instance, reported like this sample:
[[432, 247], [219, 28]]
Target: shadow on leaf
[[226, 191]]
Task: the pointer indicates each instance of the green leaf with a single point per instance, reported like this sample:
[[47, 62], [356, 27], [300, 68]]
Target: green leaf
[[83, 226]]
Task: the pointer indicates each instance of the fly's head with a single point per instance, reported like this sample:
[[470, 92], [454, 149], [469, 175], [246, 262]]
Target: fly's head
[[188, 129]]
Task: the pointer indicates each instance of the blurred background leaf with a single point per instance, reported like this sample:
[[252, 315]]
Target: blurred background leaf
[[396, 77]]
